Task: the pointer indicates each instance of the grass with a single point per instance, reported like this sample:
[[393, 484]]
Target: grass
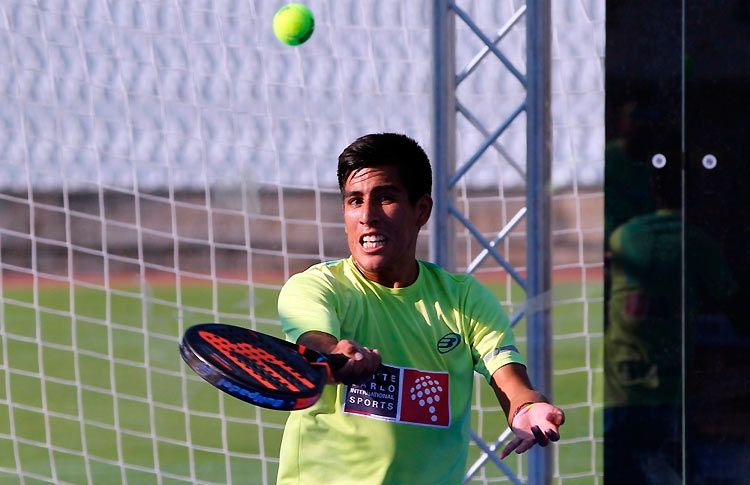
[[85, 401]]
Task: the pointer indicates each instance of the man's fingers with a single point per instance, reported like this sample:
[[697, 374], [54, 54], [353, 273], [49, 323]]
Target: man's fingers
[[525, 446], [349, 349], [362, 363], [540, 437], [520, 445], [510, 447], [552, 435], [372, 358], [556, 418]]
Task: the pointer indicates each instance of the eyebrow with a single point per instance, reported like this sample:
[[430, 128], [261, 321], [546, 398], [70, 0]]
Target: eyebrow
[[379, 188]]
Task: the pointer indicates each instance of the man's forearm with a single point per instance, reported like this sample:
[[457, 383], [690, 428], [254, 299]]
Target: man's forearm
[[318, 341], [513, 389]]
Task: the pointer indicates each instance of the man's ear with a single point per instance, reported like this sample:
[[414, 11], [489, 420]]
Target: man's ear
[[424, 209]]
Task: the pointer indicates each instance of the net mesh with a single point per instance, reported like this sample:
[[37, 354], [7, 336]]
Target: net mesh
[[167, 163]]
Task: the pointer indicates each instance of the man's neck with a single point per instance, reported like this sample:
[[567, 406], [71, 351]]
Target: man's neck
[[395, 279]]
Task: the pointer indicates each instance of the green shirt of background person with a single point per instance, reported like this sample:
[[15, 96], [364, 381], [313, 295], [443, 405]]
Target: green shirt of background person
[[644, 341]]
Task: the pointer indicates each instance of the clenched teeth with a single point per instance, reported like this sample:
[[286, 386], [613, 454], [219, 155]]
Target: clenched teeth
[[373, 238], [369, 242]]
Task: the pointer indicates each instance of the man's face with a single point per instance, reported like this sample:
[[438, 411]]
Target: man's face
[[382, 225]]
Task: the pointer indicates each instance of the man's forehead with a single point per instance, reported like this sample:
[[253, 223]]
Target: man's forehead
[[385, 176]]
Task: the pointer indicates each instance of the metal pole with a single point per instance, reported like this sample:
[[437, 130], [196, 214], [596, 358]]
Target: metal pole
[[538, 200], [444, 132]]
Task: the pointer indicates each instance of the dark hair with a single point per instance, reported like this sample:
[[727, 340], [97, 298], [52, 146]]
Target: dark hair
[[389, 149]]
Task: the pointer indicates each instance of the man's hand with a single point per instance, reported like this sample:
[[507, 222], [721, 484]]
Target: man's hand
[[362, 363], [534, 423]]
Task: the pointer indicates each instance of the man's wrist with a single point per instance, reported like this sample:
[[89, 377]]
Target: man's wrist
[[539, 398], [519, 409]]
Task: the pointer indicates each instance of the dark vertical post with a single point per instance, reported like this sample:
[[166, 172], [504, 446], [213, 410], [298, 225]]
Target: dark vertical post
[[538, 200], [444, 132]]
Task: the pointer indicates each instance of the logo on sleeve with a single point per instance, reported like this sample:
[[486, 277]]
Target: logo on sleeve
[[448, 342], [499, 350], [402, 395]]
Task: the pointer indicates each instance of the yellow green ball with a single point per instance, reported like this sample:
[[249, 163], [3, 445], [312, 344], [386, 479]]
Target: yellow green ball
[[293, 24]]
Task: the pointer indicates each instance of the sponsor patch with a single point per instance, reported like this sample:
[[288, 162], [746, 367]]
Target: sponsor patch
[[402, 395]]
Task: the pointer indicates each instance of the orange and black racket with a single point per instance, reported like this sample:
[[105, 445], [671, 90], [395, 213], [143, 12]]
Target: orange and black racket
[[258, 368]]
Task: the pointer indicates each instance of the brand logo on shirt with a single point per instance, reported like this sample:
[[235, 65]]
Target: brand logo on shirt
[[448, 342], [402, 395], [497, 351]]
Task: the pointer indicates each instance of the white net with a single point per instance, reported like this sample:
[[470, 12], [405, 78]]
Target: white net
[[164, 163]]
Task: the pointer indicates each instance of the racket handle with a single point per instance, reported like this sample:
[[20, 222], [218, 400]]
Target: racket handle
[[336, 361]]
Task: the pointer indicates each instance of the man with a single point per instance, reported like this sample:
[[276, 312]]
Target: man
[[414, 335]]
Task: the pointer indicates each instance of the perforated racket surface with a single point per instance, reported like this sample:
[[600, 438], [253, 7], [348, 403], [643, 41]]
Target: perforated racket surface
[[255, 367]]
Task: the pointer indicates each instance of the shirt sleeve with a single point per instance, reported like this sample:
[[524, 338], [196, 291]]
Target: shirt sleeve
[[308, 302], [493, 344]]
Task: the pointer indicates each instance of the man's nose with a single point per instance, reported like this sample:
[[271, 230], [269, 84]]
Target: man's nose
[[370, 213]]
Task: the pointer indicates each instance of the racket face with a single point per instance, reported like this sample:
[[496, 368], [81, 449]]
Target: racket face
[[254, 367]]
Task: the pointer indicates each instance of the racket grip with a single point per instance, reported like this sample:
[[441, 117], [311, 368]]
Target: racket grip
[[336, 361]]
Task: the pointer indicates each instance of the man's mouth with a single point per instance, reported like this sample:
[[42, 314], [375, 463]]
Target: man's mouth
[[373, 241]]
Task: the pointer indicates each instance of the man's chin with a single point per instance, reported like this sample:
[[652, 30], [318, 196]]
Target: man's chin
[[370, 263]]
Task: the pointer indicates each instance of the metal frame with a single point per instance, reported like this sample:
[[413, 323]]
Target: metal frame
[[538, 199]]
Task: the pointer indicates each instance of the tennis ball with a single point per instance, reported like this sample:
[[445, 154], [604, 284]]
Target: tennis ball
[[293, 24]]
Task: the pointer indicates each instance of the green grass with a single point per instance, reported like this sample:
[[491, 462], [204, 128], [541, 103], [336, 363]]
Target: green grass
[[83, 386]]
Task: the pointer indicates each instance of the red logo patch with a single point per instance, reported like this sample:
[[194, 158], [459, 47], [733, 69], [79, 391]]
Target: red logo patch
[[425, 398]]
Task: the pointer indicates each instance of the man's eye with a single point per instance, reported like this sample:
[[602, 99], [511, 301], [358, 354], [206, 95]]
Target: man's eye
[[355, 201]]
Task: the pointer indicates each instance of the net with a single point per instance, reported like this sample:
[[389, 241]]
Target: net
[[169, 163]]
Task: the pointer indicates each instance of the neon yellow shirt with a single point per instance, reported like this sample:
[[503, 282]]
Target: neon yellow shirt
[[410, 423]]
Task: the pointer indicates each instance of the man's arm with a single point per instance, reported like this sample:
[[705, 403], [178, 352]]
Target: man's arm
[[362, 364], [531, 417]]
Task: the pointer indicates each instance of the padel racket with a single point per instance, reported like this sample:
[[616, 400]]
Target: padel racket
[[258, 368]]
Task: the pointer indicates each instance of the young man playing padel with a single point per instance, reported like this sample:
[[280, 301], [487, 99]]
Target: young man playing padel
[[415, 334]]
